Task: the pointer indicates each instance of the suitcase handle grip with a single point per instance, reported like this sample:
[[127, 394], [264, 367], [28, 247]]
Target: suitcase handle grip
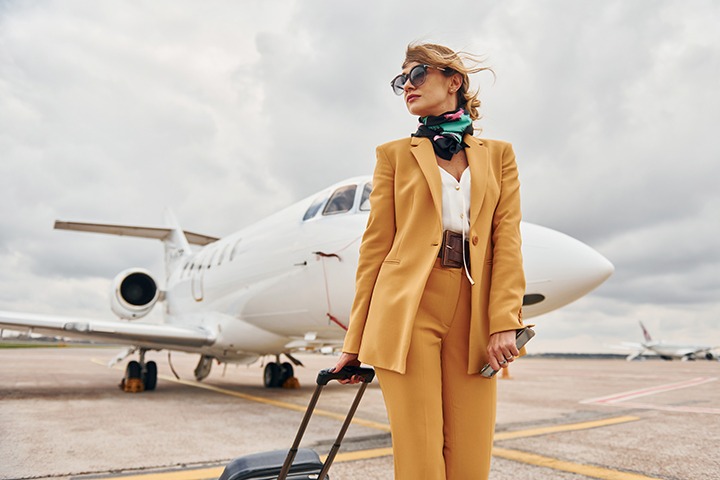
[[325, 376]]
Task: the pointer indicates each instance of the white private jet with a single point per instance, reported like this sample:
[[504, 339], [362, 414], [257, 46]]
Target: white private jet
[[281, 285], [667, 351]]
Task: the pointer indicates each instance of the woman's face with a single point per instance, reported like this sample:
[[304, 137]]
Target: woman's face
[[434, 97]]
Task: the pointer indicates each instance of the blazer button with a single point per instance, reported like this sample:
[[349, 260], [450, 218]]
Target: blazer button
[[474, 240]]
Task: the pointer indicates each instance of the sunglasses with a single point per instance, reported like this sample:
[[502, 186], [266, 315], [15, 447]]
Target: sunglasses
[[417, 76]]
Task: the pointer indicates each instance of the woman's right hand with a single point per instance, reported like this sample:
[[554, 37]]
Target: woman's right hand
[[345, 360]]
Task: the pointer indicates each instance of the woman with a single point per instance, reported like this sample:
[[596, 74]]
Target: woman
[[431, 307]]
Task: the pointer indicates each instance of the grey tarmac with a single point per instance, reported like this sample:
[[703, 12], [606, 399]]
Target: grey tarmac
[[62, 415]]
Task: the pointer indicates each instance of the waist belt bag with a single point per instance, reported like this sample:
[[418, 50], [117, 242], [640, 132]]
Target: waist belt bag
[[451, 252]]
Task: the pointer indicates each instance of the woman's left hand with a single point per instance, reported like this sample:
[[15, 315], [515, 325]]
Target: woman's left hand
[[502, 349]]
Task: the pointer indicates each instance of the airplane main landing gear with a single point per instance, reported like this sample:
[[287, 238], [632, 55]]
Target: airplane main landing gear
[[276, 374], [139, 376], [203, 367]]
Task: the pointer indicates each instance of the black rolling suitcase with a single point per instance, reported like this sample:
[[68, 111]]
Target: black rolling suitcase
[[301, 463]]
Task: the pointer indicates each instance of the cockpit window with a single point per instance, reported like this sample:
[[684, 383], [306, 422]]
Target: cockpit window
[[314, 207], [365, 199], [341, 200]]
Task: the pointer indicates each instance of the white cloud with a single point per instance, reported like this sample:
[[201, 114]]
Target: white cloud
[[109, 112]]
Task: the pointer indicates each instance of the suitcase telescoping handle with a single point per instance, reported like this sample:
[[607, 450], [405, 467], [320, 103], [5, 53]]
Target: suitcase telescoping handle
[[325, 376]]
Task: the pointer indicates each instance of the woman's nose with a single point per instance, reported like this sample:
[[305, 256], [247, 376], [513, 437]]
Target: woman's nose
[[407, 86]]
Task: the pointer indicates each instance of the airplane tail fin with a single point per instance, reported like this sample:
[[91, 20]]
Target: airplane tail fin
[[646, 334], [176, 241]]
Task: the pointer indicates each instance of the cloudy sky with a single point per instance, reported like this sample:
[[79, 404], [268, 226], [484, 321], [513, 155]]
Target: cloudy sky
[[110, 111]]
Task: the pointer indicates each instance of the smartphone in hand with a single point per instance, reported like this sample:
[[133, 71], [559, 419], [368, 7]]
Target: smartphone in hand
[[522, 336]]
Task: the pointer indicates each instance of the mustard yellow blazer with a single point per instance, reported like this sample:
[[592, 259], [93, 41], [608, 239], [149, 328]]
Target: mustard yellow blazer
[[403, 237]]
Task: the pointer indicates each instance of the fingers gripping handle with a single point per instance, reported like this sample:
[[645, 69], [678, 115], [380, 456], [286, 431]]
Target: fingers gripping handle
[[325, 376]]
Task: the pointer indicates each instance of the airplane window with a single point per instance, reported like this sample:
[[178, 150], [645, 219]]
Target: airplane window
[[365, 199], [212, 257], [234, 250], [533, 298], [199, 259], [314, 207], [341, 200], [222, 255]]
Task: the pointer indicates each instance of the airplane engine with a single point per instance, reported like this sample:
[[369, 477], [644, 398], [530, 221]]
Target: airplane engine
[[134, 293]]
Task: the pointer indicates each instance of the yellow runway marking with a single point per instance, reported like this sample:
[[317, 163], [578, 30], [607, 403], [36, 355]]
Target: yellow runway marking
[[277, 403], [268, 401], [509, 454], [196, 474], [506, 453], [555, 464], [361, 454], [215, 472], [564, 428]]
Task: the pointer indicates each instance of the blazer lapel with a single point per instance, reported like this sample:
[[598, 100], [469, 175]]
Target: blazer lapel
[[423, 151], [477, 157]]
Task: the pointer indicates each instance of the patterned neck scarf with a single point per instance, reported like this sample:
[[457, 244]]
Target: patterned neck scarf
[[446, 132]]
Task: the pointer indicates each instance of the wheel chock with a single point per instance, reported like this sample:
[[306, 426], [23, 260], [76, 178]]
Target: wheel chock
[[132, 385], [291, 383]]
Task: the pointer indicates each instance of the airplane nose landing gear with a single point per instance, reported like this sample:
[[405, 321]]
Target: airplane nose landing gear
[[132, 381], [276, 374]]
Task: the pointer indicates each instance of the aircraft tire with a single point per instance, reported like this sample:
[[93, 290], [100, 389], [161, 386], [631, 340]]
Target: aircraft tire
[[150, 380], [133, 370], [272, 376], [287, 371]]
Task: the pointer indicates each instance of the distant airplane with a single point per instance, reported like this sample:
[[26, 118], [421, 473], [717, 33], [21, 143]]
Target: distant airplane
[[281, 285], [667, 351]]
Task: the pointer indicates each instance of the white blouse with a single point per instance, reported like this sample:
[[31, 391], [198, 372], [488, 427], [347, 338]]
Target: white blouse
[[455, 201], [456, 206]]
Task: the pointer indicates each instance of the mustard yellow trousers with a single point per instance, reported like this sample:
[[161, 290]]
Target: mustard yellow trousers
[[442, 420]]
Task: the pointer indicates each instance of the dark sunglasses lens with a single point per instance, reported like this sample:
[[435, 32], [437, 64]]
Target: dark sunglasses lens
[[398, 84], [417, 75]]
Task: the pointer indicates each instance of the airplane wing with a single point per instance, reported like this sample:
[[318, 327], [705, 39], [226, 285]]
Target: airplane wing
[[638, 347], [133, 231], [634, 355], [139, 334], [705, 349]]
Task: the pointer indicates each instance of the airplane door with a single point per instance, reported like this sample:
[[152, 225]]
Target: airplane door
[[339, 261], [196, 285], [339, 268]]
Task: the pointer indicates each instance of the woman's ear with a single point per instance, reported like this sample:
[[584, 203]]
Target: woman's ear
[[455, 83]]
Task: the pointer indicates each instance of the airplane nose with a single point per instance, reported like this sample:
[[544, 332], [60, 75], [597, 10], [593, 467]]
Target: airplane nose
[[559, 268]]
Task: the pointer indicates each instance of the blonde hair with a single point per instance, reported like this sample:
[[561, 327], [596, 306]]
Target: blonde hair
[[441, 56]]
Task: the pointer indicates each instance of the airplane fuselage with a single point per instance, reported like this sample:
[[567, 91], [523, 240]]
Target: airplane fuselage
[[281, 285], [287, 282], [670, 351]]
